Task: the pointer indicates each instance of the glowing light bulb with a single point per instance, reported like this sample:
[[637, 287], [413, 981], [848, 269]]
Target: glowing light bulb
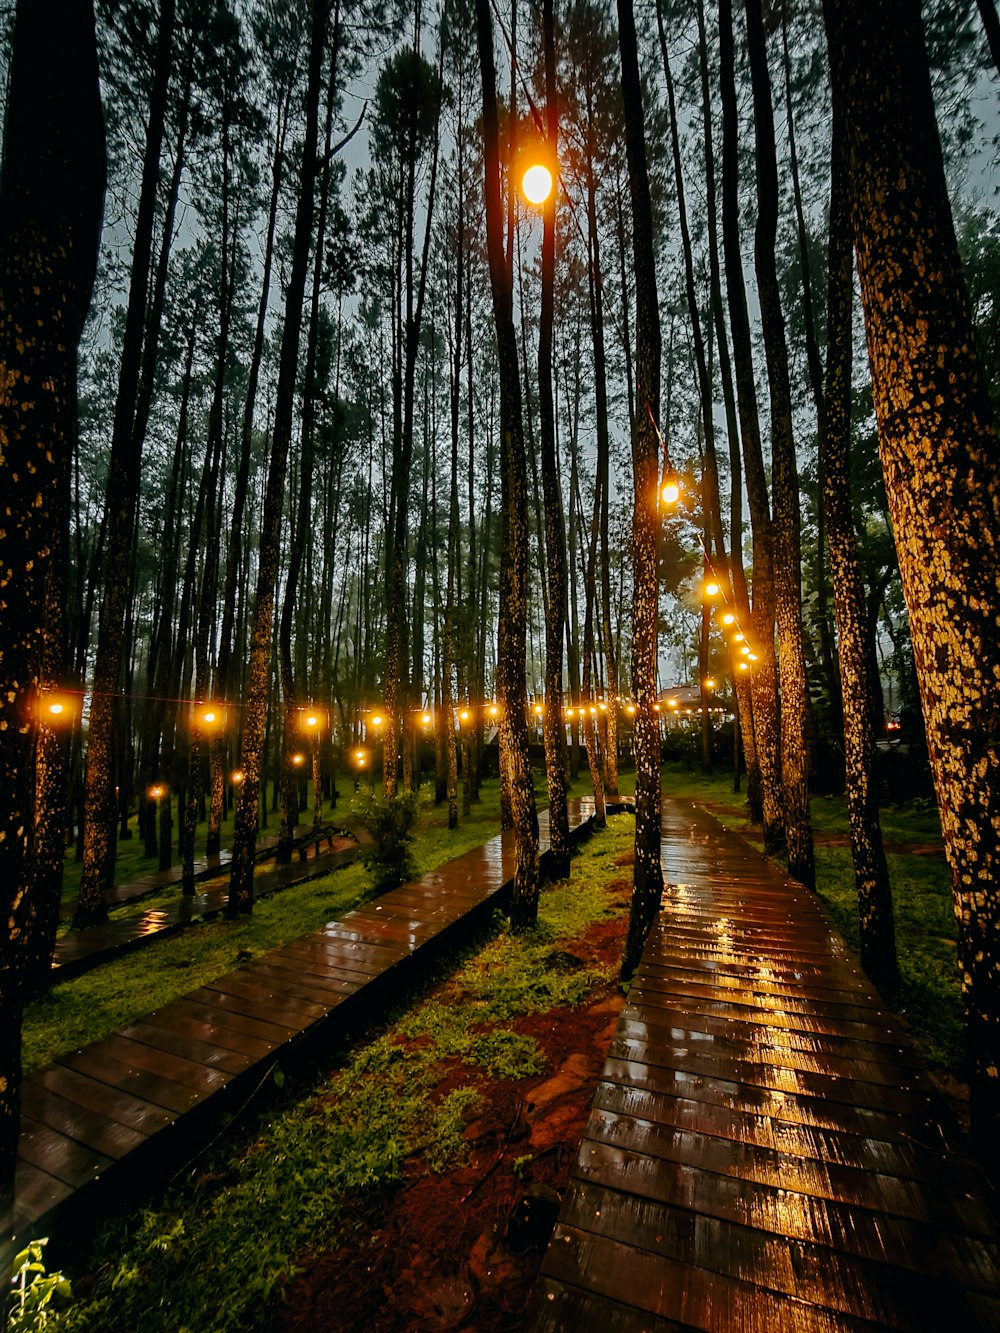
[[426, 719], [712, 589], [671, 493], [537, 183]]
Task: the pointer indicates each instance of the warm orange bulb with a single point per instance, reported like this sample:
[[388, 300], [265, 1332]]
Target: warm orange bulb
[[537, 183], [426, 719], [237, 777], [712, 589], [671, 493], [729, 618]]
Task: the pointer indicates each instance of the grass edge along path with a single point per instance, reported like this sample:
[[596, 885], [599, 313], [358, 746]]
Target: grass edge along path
[[88, 1007], [215, 1251]]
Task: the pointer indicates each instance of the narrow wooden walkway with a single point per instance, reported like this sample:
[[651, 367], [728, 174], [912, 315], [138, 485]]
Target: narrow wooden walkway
[[90, 948], [764, 1150], [105, 1121]]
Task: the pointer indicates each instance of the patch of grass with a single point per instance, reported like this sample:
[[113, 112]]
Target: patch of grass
[[86, 1008], [212, 1254]]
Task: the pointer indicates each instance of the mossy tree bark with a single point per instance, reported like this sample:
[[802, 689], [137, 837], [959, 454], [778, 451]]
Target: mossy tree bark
[[647, 884], [51, 201], [515, 759], [871, 873], [941, 460]]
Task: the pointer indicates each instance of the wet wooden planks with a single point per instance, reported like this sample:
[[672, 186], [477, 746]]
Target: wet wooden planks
[[764, 1150], [146, 1098], [84, 949]]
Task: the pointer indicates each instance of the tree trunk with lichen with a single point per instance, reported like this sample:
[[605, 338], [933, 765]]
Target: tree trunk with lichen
[[512, 685], [871, 873], [941, 460], [647, 884], [51, 197]]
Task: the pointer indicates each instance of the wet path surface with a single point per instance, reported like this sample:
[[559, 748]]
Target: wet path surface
[[82, 950], [106, 1123], [764, 1150]]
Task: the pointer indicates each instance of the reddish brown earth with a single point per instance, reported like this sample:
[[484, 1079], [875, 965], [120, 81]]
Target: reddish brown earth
[[461, 1250]]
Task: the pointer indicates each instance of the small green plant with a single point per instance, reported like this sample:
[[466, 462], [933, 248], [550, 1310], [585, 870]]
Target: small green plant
[[389, 819], [34, 1292]]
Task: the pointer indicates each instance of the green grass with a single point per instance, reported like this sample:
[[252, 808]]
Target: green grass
[[86, 1008], [212, 1254]]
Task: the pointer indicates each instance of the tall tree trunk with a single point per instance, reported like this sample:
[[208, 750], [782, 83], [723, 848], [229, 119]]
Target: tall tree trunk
[[255, 697], [515, 756], [784, 475], [396, 702], [762, 684], [741, 597], [304, 526], [51, 198], [124, 468], [648, 875], [821, 616], [871, 873], [555, 531], [941, 460]]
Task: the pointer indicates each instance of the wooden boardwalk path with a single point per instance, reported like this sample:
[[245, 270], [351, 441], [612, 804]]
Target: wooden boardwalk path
[[764, 1150], [113, 1119], [82, 950]]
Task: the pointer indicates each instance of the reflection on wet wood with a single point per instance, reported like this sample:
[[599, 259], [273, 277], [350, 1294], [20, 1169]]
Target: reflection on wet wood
[[106, 1118], [765, 1150]]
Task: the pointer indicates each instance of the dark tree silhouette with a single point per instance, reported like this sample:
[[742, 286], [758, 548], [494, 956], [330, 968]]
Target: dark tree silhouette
[[51, 201]]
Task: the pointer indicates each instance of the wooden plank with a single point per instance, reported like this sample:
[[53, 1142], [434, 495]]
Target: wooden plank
[[112, 1103], [874, 1292], [241, 993], [200, 1044], [113, 1064], [64, 1158], [88, 1127], [674, 1290], [264, 1029]]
